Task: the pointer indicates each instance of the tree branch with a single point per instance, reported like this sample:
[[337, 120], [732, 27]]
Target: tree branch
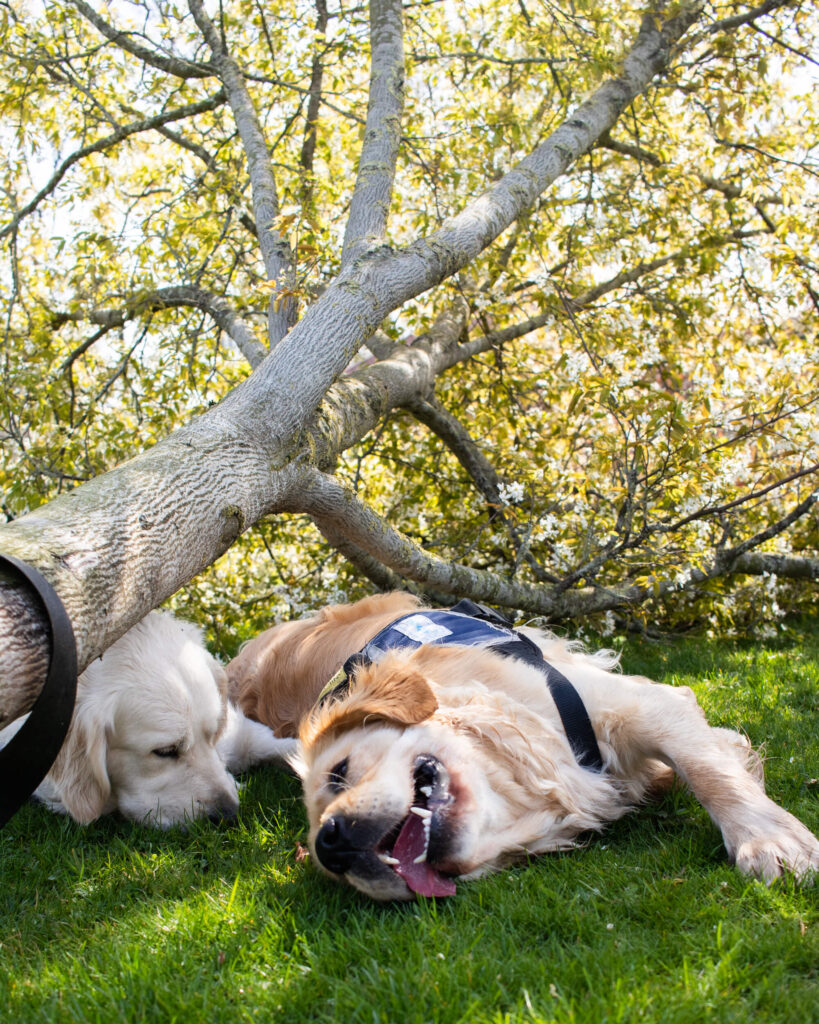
[[383, 279], [355, 403], [338, 513], [482, 473], [281, 83], [276, 254], [785, 46], [789, 566], [172, 65], [747, 17], [773, 530], [502, 336], [81, 349], [210, 162], [336, 510], [368, 566], [728, 188], [714, 510], [405, 374], [370, 204], [628, 149], [174, 296], [308, 147], [455, 436]]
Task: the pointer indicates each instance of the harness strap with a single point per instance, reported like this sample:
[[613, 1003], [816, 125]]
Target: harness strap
[[28, 756], [481, 611], [570, 707], [576, 722]]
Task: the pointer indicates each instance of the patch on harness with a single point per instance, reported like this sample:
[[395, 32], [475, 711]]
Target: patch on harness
[[421, 629]]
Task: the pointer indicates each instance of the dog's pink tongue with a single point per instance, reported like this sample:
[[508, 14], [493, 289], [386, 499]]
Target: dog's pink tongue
[[420, 877]]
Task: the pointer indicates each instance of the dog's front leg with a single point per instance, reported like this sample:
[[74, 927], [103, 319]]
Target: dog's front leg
[[762, 838]]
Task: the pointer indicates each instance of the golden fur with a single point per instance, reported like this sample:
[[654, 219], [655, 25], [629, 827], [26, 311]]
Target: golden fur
[[278, 675], [482, 733]]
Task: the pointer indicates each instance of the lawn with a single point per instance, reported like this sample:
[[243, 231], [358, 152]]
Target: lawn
[[114, 922]]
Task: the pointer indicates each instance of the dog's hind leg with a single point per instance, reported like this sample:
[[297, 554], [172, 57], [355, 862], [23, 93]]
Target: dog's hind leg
[[725, 775]]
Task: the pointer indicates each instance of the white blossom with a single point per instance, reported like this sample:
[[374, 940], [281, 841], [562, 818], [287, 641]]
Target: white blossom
[[511, 493]]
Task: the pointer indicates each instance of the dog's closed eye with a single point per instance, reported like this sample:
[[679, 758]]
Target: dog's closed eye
[[337, 778], [172, 751]]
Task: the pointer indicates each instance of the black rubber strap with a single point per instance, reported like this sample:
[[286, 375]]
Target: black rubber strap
[[575, 718], [569, 704], [26, 759]]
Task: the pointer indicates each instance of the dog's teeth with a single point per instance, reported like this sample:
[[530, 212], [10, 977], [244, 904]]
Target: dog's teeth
[[420, 858], [426, 790], [422, 812], [385, 858]]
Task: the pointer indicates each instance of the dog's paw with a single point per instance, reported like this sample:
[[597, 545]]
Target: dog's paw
[[245, 743], [792, 851]]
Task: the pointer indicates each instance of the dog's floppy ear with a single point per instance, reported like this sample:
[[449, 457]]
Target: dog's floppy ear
[[220, 675], [378, 693], [80, 772]]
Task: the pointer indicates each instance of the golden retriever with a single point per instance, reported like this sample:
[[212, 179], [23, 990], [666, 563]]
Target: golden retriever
[[153, 735], [439, 762]]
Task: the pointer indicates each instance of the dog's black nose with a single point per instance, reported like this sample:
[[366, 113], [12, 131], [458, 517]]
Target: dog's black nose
[[334, 845], [226, 809]]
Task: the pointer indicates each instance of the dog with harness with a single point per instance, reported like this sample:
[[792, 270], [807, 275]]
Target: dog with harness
[[447, 744]]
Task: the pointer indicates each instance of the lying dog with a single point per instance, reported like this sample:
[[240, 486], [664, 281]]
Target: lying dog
[[446, 757], [153, 735]]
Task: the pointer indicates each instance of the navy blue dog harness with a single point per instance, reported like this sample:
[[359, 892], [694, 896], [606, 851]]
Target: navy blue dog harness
[[468, 624]]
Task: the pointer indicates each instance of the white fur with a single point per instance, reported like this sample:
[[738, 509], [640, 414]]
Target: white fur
[[155, 689]]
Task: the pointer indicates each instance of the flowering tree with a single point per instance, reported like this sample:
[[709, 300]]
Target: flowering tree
[[512, 301]]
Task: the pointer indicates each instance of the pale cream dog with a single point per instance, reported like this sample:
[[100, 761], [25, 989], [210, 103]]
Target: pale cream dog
[[446, 762], [153, 735]]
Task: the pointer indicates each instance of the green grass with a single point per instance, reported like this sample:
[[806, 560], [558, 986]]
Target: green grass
[[114, 922]]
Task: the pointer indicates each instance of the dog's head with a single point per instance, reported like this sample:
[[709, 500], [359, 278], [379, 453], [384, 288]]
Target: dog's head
[[403, 794], [143, 737]]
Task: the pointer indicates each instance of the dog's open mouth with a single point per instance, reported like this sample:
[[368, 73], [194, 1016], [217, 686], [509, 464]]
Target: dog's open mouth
[[406, 849]]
